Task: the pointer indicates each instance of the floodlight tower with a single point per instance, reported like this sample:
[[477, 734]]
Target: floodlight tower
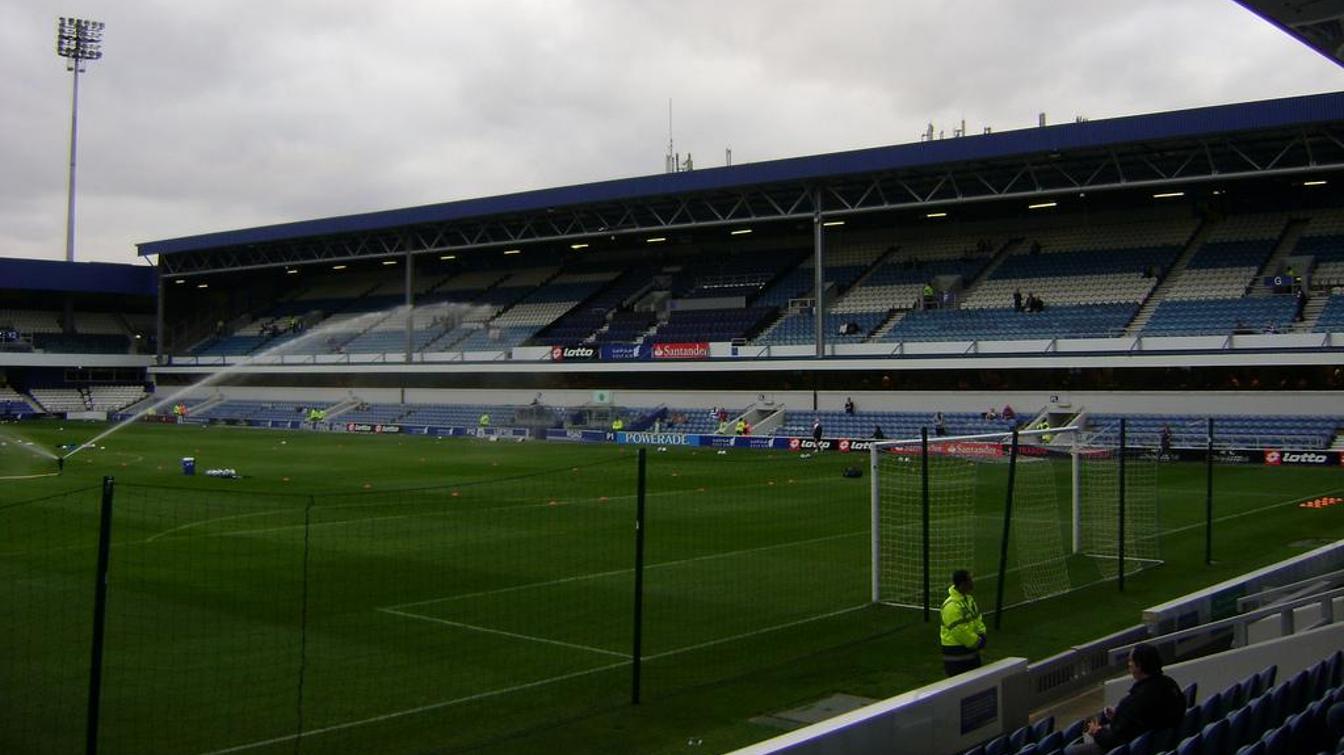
[[77, 40]]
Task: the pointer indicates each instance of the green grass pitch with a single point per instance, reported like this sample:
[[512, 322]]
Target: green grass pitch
[[405, 594]]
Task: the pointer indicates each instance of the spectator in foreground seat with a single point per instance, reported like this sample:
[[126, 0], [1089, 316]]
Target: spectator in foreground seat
[[1154, 702]]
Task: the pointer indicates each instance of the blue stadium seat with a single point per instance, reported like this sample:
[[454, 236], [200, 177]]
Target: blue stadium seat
[[1190, 691], [1042, 728], [1276, 742], [1190, 725], [1051, 742], [1075, 730], [1239, 725], [1266, 677], [1216, 738], [1255, 748], [1211, 709], [1018, 738], [1191, 745], [1121, 749], [997, 746]]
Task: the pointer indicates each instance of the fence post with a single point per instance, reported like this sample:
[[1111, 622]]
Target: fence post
[[924, 505], [99, 620], [639, 582], [1208, 498], [1120, 532], [1007, 526]]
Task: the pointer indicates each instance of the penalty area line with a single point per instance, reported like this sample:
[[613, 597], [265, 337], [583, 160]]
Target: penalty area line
[[501, 632], [420, 709]]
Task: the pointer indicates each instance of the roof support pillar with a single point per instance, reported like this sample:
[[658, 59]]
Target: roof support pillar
[[818, 275]]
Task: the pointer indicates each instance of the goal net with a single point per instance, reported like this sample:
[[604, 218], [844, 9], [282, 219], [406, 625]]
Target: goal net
[[1041, 518]]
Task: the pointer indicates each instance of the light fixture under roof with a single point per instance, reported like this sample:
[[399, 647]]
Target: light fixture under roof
[[292, 271], [832, 223], [740, 232], [202, 285], [389, 262], [936, 215], [1041, 205], [579, 245], [448, 257], [338, 267], [1168, 194], [655, 240], [513, 251], [180, 280], [1316, 182]]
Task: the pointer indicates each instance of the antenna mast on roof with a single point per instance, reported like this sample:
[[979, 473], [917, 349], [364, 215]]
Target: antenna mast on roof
[[670, 163]]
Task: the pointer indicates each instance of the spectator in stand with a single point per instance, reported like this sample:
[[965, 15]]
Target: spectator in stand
[[1164, 438], [928, 296], [816, 428], [992, 414], [1017, 300], [849, 406], [1154, 702], [1008, 412], [878, 434], [939, 424]]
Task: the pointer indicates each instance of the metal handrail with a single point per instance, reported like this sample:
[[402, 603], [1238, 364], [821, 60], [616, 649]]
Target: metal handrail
[[1250, 602], [1238, 623]]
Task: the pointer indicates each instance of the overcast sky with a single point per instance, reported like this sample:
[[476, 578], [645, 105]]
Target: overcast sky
[[208, 115]]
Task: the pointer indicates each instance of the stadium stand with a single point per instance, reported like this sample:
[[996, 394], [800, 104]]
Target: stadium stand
[[1300, 431]]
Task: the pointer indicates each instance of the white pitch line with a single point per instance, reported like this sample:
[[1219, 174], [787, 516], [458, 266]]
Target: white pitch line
[[627, 570], [501, 632], [520, 687], [753, 633], [589, 501], [420, 709]]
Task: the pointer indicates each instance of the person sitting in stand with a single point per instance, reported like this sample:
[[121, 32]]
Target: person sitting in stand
[[878, 434], [1154, 702], [992, 414], [1008, 412], [849, 406]]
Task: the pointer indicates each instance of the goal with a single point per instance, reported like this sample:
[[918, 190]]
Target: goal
[[1033, 515]]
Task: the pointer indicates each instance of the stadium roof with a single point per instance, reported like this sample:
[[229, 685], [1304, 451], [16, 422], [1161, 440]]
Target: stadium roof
[[78, 277], [1122, 151], [1318, 24]]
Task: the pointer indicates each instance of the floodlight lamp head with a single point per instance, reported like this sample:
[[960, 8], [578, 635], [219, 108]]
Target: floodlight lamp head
[[79, 39]]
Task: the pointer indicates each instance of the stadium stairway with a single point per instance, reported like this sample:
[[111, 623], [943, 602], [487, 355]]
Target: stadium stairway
[[1169, 278], [1285, 247], [1311, 313]]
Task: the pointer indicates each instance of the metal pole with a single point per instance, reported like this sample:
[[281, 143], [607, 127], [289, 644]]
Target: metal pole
[[410, 307], [1208, 497], [1120, 535], [74, 129], [924, 506], [874, 493], [1076, 489], [99, 620], [639, 582], [1007, 527], [158, 321], [818, 275]]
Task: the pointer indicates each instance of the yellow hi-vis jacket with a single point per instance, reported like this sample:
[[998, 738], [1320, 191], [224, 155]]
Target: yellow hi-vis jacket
[[962, 623]]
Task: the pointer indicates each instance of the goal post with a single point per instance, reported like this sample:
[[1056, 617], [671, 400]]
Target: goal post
[[945, 503]]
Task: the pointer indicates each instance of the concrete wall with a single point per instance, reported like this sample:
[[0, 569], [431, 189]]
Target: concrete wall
[[930, 720], [1156, 402], [1217, 672]]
